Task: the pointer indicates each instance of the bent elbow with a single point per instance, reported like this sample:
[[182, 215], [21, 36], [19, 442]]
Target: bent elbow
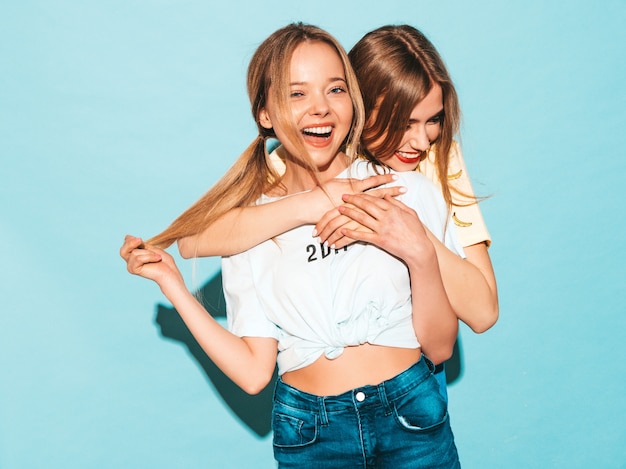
[[440, 355], [440, 352], [253, 390], [486, 321], [255, 387], [256, 383]]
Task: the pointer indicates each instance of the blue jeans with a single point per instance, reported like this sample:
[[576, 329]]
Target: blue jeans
[[400, 423], [440, 375]]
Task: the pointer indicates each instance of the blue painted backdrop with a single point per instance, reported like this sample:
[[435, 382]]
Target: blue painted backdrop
[[115, 116]]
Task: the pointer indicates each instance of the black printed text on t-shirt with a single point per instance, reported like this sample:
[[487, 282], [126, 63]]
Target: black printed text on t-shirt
[[321, 251]]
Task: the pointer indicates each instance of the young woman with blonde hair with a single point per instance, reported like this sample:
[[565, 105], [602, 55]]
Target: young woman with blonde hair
[[348, 327]]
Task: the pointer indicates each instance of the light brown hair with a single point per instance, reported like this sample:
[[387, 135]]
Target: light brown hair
[[397, 66]]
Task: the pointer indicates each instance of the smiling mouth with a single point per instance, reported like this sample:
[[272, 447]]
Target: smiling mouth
[[318, 132], [408, 158]]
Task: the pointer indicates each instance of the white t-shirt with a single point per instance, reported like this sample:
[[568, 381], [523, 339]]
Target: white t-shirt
[[315, 300]]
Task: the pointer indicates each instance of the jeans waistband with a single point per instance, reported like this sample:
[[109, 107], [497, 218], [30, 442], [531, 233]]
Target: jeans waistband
[[384, 392]]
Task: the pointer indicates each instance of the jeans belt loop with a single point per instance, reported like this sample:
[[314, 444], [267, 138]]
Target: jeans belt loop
[[429, 364], [382, 393], [322, 405]]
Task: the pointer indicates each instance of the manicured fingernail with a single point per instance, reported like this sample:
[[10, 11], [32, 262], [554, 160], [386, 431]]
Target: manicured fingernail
[[314, 234], [402, 189], [394, 177]]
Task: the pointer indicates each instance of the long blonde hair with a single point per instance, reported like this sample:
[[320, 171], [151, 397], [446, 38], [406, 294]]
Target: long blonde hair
[[397, 66], [251, 175]]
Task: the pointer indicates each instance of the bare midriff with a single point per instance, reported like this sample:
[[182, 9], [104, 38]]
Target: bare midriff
[[357, 366]]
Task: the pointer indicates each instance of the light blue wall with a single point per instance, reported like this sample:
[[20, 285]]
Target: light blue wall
[[115, 116]]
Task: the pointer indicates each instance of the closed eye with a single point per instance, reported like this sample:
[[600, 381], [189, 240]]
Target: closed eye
[[437, 119]]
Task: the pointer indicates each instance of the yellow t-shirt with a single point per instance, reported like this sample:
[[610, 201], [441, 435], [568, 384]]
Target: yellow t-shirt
[[468, 219]]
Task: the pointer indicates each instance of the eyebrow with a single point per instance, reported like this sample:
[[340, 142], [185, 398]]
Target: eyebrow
[[437, 114], [330, 80]]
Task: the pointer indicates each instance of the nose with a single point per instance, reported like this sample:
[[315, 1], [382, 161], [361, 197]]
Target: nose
[[319, 104], [418, 138]]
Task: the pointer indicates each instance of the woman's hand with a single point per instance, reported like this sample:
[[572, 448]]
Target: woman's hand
[[150, 262], [329, 228], [329, 195], [386, 223], [248, 361]]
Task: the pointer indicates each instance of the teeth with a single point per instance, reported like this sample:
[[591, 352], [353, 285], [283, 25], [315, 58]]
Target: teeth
[[318, 130], [410, 156]]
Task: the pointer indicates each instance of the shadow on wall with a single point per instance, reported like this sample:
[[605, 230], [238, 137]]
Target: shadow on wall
[[253, 411]]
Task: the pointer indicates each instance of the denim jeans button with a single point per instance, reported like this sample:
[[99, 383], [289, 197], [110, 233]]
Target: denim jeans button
[[360, 396]]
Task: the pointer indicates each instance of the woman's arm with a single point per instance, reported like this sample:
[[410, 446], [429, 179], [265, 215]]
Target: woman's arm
[[243, 228], [470, 284], [397, 229], [248, 361]]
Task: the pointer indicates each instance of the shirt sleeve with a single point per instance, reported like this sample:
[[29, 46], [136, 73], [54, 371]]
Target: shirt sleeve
[[466, 215], [244, 313]]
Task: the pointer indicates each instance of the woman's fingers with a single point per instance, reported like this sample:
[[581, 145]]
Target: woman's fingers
[[376, 206], [330, 226], [321, 225], [343, 241], [151, 262], [371, 205], [337, 239], [373, 181], [137, 255], [393, 202], [335, 188], [371, 186], [139, 258], [356, 217], [360, 216], [356, 235], [381, 192], [130, 243]]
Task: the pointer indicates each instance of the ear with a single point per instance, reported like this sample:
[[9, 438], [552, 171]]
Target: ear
[[264, 119]]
